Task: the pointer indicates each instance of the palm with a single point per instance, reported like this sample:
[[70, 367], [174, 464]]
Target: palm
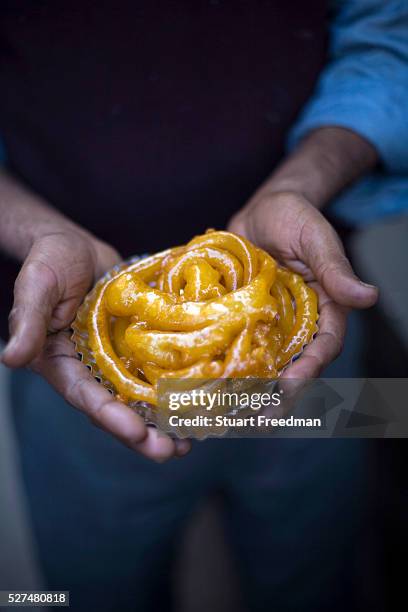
[[299, 237]]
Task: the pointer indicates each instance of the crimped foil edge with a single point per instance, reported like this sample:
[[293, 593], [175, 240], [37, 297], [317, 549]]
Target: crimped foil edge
[[80, 338]]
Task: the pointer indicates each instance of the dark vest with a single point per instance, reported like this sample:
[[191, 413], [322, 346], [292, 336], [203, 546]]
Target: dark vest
[[148, 122]]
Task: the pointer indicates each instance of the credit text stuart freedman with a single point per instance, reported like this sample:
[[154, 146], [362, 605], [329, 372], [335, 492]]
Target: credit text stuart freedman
[[204, 400]]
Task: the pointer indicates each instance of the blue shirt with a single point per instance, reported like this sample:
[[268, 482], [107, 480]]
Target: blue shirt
[[364, 87]]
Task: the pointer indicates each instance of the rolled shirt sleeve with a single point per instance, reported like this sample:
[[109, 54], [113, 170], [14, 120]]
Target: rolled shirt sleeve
[[364, 86]]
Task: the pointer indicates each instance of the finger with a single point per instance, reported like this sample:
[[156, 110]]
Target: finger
[[36, 293], [321, 249], [107, 257], [326, 345], [153, 446], [237, 225], [59, 364]]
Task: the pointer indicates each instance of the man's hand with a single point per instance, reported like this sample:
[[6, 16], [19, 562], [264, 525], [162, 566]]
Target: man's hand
[[290, 228], [58, 272]]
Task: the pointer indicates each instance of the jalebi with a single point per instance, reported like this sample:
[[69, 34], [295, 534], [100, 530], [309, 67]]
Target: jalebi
[[217, 307]]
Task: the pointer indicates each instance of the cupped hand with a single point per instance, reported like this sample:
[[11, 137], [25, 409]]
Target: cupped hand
[[58, 272], [286, 225]]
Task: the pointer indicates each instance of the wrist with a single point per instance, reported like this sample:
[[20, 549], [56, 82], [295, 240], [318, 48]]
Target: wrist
[[325, 162], [26, 218]]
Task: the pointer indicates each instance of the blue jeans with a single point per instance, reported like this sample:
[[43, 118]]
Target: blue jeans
[[107, 521]]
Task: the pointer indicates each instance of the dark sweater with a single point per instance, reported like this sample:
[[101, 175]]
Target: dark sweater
[[147, 122]]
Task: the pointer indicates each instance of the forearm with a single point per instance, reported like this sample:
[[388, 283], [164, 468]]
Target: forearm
[[324, 163], [25, 217]]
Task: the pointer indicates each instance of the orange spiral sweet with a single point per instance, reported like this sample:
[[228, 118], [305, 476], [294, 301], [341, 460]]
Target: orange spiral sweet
[[217, 307]]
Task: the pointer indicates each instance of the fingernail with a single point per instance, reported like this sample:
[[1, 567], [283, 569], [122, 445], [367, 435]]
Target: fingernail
[[159, 460], [368, 285], [8, 347], [182, 447]]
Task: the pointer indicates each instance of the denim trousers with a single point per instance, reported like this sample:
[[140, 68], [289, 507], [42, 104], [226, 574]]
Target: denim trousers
[[107, 521]]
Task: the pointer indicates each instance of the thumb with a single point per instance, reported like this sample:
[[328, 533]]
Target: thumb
[[36, 293], [323, 251]]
